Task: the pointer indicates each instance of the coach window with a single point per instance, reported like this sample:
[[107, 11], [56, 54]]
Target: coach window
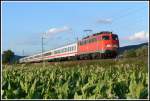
[[105, 37], [65, 49], [68, 48]]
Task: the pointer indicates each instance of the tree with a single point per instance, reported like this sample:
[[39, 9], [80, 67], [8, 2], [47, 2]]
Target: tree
[[7, 56]]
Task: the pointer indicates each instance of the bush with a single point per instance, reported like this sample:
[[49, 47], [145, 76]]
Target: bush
[[129, 53], [142, 51]]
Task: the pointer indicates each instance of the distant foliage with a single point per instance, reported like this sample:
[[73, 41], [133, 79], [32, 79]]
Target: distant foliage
[[129, 53], [7, 56], [142, 51]]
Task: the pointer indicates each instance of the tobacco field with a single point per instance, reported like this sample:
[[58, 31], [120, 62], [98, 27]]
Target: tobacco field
[[92, 79]]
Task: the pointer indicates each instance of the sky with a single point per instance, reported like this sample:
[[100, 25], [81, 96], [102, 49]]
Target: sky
[[61, 23]]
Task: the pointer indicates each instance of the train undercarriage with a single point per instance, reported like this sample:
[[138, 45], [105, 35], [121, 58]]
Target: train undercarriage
[[87, 56]]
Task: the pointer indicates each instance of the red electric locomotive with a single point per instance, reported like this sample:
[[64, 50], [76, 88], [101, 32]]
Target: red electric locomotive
[[99, 45]]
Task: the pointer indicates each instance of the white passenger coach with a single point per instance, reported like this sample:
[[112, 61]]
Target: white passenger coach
[[64, 51]]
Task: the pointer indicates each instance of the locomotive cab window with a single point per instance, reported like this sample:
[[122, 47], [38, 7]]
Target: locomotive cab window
[[105, 37], [115, 37]]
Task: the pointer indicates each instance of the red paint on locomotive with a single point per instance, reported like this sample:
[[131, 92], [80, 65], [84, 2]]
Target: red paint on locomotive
[[100, 42]]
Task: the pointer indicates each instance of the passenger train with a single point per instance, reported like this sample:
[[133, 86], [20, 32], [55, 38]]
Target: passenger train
[[104, 44]]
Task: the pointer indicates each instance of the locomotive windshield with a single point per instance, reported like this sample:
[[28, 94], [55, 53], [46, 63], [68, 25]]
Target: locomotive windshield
[[105, 37], [115, 37]]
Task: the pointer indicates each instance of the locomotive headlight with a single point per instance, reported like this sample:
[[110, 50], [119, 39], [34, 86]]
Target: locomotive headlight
[[115, 46], [108, 45]]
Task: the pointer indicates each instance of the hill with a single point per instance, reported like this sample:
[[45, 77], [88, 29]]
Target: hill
[[122, 49]]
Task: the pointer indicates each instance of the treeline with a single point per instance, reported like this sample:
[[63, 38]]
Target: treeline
[[8, 57], [142, 51]]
